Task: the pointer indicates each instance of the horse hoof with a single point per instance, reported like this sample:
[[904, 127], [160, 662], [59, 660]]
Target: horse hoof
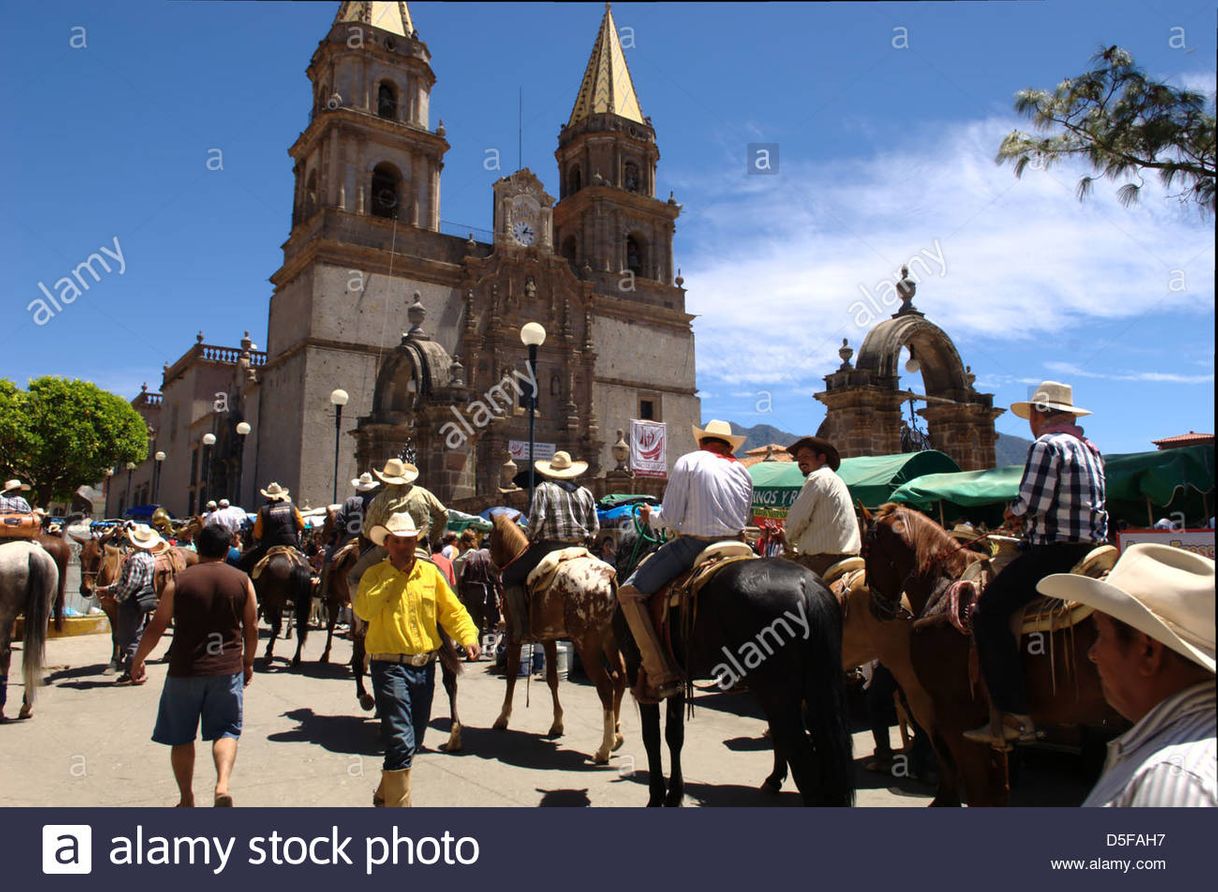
[[501, 724], [674, 800], [25, 713], [555, 731], [454, 742], [367, 702], [771, 785], [600, 758], [617, 742]]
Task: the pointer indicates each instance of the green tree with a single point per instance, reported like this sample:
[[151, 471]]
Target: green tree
[[1122, 123], [61, 434]]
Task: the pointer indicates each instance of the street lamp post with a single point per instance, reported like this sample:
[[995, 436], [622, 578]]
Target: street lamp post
[[532, 335], [108, 474], [338, 399], [243, 428], [209, 440], [127, 498], [156, 477]]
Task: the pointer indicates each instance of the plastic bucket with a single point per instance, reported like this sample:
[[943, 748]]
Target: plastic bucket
[[563, 658]]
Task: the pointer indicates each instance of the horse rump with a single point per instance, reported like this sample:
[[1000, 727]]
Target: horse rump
[[40, 587], [825, 696]]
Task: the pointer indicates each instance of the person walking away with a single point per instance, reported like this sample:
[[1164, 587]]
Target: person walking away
[[215, 620], [132, 596]]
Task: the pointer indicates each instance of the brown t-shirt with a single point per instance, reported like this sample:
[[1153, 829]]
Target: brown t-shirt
[[208, 605]]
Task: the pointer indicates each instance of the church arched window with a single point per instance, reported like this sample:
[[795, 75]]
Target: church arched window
[[630, 177], [387, 101], [636, 255], [386, 187], [574, 181]]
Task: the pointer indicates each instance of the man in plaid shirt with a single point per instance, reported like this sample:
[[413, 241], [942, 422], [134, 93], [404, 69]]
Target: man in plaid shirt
[[563, 514], [11, 500], [134, 584], [1061, 505]]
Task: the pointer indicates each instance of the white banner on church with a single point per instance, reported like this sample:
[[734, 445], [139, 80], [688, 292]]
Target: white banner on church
[[649, 448], [520, 451], [1197, 541]]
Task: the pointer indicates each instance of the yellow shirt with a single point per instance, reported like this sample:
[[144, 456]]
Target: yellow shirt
[[402, 611]]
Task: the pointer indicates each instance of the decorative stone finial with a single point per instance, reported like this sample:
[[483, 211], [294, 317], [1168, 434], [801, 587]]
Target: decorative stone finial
[[416, 313], [845, 352], [621, 452], [440, 129], [679, 280], [769, 453], [906, 288], [199, 337], [456, 372], [507, 475], [530, 288], [969, 377], [144, 387], [672, 198]]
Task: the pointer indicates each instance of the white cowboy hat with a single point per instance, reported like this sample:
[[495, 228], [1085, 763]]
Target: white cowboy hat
[[10, 485], [143, 536], [224, 503], [1161, 590], [399, 524], [364, 482], [398, 472], [560, 467], [1049, 395], [720, 430], [275, 492], [212, 504]]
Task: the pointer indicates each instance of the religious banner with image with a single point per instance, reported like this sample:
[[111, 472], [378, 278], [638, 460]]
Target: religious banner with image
[[649, 448]]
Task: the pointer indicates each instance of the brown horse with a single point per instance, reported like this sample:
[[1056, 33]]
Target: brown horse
[[61, 552], [284, 579], [579, 605], [337, 596], [907, 552]]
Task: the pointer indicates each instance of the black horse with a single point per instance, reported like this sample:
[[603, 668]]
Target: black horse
[[774, 625]]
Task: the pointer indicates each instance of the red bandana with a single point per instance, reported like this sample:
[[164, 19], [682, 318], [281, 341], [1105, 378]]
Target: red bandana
[[721, 451]]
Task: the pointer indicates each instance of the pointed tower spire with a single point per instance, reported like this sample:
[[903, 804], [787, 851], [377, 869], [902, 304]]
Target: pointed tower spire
[[606, 87], [393, 17]]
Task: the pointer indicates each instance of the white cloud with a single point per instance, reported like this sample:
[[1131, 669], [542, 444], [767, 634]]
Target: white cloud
[[777, 265], [1066, 368]]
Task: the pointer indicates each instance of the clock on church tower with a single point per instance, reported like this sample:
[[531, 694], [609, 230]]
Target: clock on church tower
[[523, 213]]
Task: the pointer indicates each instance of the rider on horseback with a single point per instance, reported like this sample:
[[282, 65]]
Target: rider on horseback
[[278, 523], [562, 515], [708, 499], [11, 500], [349, 522], [1061, 505]]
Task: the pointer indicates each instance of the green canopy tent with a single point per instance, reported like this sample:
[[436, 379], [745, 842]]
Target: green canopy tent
[[871, 479], [1139, 486], [459, 522]]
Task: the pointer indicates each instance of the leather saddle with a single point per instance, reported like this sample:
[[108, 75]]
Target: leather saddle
[[20, 526], [678, 599], [275, 550]]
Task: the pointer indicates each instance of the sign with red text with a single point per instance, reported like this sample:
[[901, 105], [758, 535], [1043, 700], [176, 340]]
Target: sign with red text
[[649, 448]]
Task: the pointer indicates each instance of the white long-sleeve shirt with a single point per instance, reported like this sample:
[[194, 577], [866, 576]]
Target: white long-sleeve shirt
[[821, 520], [707, 495]]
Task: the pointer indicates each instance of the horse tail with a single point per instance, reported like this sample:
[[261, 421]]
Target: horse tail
[[38, 597], [449, 661], [825, 696], [301, 586], [59, 596]]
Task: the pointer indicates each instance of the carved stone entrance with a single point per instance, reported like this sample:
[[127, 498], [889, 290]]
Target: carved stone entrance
[[864, 400]]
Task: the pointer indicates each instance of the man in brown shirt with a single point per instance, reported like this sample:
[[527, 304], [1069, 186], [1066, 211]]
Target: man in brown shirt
[[215, 619]]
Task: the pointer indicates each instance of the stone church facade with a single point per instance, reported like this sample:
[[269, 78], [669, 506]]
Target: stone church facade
[[593, 267]]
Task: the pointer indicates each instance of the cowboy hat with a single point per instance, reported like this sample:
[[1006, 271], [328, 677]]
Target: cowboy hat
[[398, 472], [1163, 591], [275, 492], [224, 503], [965, 532], [364, 482], [212, 504], [719, 430], [143, 536], [10, 485], [399, 524], [560, 467], [818, 444], [1049, 395]]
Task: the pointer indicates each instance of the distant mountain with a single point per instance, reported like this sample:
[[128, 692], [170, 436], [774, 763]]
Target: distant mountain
[[1009, 450], [762, 435]]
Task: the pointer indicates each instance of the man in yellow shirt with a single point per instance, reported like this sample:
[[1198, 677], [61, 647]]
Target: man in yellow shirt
[[403, 599]]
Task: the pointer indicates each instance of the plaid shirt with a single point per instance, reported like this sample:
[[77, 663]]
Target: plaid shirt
[[1061, 496], [137, 575], [14, 505], [562, 516]]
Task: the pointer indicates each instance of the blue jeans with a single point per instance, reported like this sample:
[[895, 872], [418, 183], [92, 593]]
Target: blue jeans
[[403, 698], [130, 621], [671, 560]]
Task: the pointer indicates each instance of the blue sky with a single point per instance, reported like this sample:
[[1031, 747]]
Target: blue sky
[[885, 153]]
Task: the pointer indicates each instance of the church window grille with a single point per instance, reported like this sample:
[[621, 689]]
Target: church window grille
[[387, 102], [385, 189], [631, 177]]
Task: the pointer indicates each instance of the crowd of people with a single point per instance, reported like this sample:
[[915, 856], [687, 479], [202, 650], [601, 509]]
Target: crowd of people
[[1154, 612]]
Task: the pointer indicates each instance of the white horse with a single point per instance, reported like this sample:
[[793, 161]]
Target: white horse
[[29, 579]]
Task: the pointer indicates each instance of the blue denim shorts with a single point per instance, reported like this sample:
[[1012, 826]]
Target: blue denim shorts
[[216, 699]]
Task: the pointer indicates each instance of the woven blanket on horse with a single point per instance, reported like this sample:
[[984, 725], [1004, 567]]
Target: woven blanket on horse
[[20, 526], [558, 594], [290, 551]]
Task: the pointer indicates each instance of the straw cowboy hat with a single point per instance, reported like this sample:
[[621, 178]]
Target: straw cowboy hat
[[212, 506], [275, 492], [820, 445], [560, 467], [364, 482], [720, 430], [398, 472], [143, 536], [399, 524], [1049, 395], [1164, 591], [10, 485]]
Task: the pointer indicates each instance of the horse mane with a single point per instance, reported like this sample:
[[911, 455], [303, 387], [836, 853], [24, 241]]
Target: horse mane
[[509, 538], [935, 549]]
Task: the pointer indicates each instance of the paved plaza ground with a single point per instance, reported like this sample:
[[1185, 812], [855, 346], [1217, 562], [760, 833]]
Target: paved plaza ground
[[307, 743]]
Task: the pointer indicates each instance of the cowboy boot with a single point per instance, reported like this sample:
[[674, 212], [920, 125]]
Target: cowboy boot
[[378, 795], [664, 679], [397, 788]]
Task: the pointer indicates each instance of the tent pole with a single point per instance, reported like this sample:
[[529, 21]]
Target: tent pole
[[1150, 514], [942, 522]]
